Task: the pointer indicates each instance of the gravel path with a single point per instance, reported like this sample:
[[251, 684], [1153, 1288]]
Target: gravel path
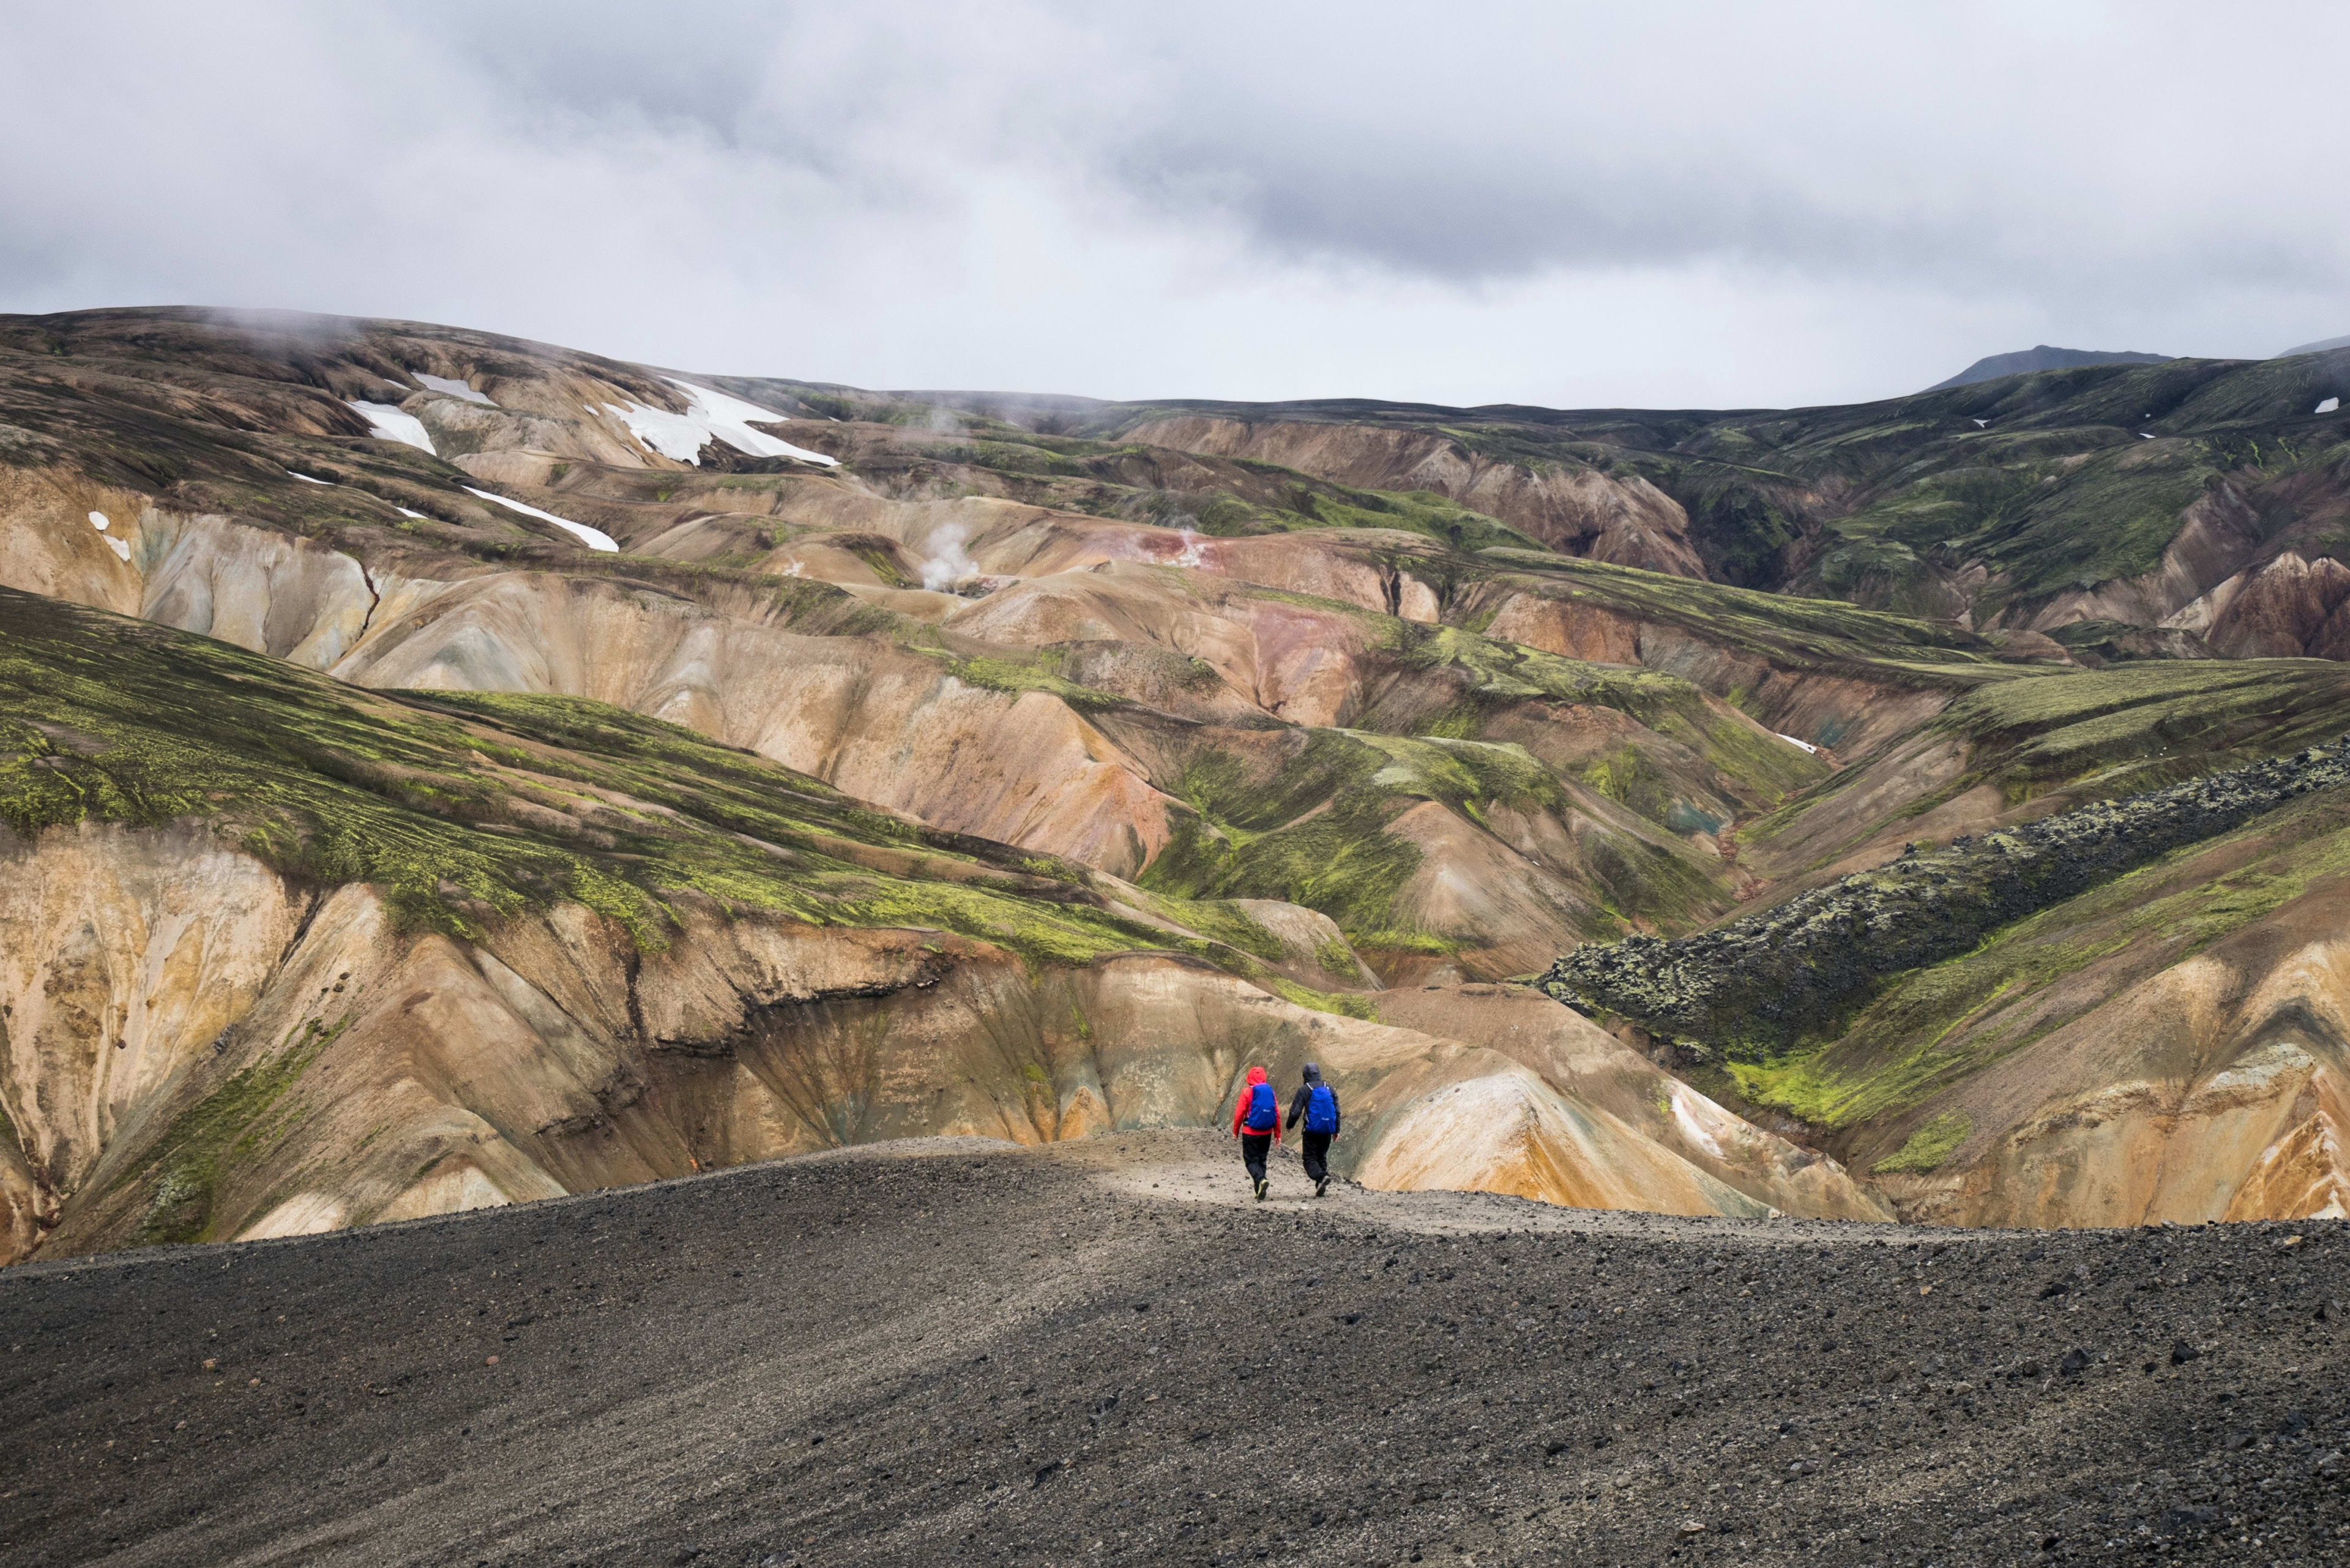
[[958, 1352]]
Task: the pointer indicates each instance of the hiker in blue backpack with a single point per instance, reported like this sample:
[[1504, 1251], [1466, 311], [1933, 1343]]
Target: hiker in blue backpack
[[1256, 1122], [1317, 1102]]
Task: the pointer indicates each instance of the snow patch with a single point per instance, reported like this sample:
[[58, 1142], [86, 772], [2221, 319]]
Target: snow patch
[[455, 389], [307, 478], [709, 416], [2144, 436], [404, 512], [390, 424], [121, 547], [674, 436], [1792, 742], [2327, 407], [949, 563], [596, 538], [1983, 424]]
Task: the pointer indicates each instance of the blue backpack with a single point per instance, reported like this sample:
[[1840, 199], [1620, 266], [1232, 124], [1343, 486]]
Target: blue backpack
[[1321, 1110], [1264, 1108]]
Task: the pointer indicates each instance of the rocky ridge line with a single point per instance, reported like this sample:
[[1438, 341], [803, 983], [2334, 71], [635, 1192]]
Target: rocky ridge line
[[1766, 981]]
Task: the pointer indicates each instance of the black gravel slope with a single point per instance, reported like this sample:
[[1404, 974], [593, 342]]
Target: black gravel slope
[[997, 1356]]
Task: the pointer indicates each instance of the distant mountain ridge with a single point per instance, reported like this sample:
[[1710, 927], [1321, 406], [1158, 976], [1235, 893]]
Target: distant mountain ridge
[[2320, 346], [2023, 361]]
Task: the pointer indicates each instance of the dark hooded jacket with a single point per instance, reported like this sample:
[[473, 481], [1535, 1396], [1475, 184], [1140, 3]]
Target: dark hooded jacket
[[1304, 1093]]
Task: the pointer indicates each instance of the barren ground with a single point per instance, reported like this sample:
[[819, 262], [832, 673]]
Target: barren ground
[[1101, 1352]]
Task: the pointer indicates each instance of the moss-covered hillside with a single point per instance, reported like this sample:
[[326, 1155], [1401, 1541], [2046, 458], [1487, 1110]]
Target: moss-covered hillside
[[2009, 750], [1786, 631], [1935, 1027], [467, 808], [1774, 982]]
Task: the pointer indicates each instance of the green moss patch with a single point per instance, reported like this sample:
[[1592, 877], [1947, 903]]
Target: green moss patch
[[1928, 1147], [227, 1125], [1347, 1004], [1310, 830], [1503, 689], [2155, 722], [1038, 673], [1336, 957]]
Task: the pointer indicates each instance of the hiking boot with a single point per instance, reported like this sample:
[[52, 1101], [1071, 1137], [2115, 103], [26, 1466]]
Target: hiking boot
[[1261, 1189], [1321, 1187]]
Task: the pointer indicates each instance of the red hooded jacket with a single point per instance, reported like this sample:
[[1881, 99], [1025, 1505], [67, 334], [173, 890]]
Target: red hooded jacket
[[1240, 1108]]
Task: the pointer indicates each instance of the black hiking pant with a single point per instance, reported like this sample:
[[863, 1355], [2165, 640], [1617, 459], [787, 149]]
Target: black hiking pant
[[1317, 1156], [1254, 1148]]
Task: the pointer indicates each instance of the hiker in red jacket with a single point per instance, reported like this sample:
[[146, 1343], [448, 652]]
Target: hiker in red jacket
[[1256, 1122]]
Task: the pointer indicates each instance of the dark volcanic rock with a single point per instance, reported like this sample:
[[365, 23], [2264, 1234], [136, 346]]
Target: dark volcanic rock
[[898, 1360], [1764, 981]]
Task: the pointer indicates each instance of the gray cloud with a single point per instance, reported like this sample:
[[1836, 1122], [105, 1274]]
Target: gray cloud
[[1666, 204], [1875, 139]]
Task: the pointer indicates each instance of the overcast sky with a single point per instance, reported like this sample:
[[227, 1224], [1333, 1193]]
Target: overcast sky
[[1579, 205]]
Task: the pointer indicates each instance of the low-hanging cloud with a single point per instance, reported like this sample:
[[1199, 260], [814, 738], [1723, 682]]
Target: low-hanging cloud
[[1564, 204]]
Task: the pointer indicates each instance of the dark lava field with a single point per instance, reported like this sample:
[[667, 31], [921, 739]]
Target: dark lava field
[[1102, 1353]]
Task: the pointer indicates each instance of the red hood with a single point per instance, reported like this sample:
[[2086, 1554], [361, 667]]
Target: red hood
[[1239, 1106]]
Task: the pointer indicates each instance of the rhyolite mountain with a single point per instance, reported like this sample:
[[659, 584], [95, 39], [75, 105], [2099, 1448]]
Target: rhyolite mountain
[[440, 770]]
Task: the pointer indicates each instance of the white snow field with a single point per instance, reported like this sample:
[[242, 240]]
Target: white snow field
[[2327, 407], [393, 425], [307, 478], [708, 415], [595, 538], [1792, 742], [455, 389]]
